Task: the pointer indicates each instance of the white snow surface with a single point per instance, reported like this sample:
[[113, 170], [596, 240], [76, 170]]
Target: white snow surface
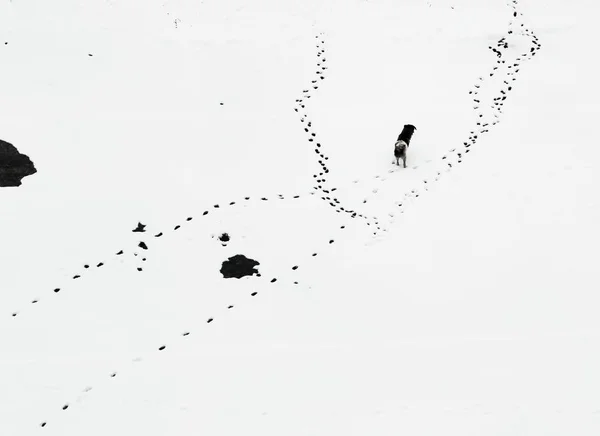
[[462, 298]]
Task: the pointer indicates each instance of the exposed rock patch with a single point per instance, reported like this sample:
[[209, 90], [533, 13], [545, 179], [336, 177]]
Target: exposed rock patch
[[239, 266], [13, 165]]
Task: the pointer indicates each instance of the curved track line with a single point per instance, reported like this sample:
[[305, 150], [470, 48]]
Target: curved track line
[[451, 159]]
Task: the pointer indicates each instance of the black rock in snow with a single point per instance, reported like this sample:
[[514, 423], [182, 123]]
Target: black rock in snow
[[224, 237], [13, 165], [140, 228], [239, 266]]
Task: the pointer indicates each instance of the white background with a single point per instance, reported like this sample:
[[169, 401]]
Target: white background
[[473, 310]]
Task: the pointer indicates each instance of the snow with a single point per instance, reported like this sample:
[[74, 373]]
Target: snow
[[460, 300]]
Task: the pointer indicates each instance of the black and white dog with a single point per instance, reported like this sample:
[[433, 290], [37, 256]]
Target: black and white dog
[[402, 143]]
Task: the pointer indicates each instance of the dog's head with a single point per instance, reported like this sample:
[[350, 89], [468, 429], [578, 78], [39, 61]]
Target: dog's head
[[399, 145]]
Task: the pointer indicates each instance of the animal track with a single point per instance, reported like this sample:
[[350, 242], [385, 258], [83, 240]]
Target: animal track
[[488, 114], [485, 119], [186, 333], [321, 178], [140, 228]]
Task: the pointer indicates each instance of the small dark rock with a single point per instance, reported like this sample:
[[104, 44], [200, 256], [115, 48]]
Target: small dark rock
[[224, 237], [140, 228]]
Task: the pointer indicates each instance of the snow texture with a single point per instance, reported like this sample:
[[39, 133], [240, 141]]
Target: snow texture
[[457, 296]]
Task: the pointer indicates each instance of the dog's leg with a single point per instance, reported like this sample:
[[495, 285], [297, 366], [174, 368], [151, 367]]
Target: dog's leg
[[404, 161]]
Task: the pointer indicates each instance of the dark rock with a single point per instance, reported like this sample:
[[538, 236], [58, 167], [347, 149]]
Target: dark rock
[[13, 165], [239, 266], [224, 237], [140, 228]]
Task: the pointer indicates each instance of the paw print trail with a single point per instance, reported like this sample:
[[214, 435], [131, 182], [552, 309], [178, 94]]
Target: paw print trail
[[489, 95], [72, 281], [143, 242], [265, 284], [499, 81], [327, 193], [485, 119], [211, 211]]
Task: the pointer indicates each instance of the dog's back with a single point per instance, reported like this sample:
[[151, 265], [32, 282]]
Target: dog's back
[[407, 133]]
